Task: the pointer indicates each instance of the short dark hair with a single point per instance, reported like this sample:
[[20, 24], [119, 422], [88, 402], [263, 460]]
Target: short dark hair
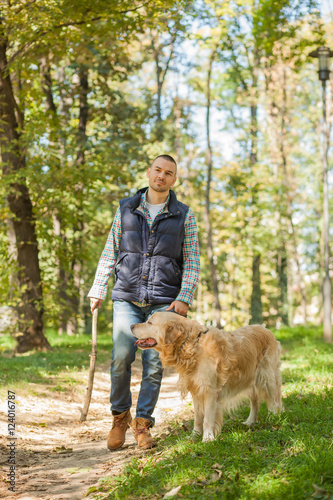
[[166, 157]]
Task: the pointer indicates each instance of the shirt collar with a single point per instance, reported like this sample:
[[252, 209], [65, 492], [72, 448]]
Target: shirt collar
[[143, 202]]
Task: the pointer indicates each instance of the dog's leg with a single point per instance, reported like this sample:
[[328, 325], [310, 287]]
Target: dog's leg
[[273, 391], [210, 403], [255, 405], [198, 417], [218, 418]]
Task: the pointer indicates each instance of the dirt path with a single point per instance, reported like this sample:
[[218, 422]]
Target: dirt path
[[57, 456]]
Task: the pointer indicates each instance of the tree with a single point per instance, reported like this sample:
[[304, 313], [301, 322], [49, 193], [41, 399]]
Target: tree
[[30, 308], [50, 26]]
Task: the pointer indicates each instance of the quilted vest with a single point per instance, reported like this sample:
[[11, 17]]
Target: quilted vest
[[150, 263]]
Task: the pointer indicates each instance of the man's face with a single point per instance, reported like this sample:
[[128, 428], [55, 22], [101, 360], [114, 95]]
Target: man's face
[[161, 175]]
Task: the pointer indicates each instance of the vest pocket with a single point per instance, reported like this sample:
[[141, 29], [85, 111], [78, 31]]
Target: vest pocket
[[119, 264], [176, 271]]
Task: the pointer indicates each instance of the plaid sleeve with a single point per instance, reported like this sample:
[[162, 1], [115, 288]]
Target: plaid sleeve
[[191, 267], [108, 260]]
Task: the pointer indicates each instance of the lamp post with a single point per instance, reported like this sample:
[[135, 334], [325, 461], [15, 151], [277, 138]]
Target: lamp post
[[323, 55]]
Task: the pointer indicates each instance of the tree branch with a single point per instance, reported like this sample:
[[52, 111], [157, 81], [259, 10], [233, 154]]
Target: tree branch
[[24, 6], [41, 34]]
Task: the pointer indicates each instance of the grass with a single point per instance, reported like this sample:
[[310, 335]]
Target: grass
[[286, 456], [58, 367]]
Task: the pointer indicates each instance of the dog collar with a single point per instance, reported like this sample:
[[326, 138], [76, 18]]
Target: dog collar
[[198, 337], [203, 333]]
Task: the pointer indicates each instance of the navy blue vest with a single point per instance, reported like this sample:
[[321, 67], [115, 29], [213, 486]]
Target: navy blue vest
[[150, 263]]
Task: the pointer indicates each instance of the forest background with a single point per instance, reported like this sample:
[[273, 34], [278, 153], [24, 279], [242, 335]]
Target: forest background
[[91, 92]]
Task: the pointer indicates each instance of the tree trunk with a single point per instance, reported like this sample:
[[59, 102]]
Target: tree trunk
[[58, 224], [46, 83], [178, 113], [278, 115], [77, 297], [30, 309], [327, 284], [70, 290], [256, 304], [287, 198], [209, 163], [69, 281], [160, 78], [159, 83], [57, 140], [282, 265]]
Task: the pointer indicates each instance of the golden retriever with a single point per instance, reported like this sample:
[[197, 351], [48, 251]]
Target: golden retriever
[[216, 367]]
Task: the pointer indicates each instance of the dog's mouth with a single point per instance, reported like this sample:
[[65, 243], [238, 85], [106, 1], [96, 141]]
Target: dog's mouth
[[146, 343]]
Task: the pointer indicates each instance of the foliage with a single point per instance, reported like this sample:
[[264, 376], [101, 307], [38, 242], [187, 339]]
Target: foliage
[[88, 142]]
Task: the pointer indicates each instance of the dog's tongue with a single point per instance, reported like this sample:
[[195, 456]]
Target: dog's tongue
[[145, 342]]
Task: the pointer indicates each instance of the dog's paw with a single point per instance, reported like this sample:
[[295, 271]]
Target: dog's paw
[[208, 436], [196, 435], [249, 422]]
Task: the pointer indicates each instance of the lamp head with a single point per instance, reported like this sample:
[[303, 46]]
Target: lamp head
[[323, 55]]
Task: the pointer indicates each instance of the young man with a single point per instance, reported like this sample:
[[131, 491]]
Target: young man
[[153, 249]]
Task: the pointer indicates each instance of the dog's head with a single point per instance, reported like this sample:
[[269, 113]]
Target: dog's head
[[165, 331]]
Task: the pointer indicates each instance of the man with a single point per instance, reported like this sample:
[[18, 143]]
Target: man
[[153, 249]]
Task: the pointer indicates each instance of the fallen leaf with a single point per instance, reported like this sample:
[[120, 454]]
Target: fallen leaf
[[215, 477], [91, 490], [62, 449], [318, 490], [186, 426], [172, 492], [74, 470]]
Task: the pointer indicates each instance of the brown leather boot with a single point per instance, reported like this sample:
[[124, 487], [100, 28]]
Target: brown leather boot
[[140, 427], [116, 437]]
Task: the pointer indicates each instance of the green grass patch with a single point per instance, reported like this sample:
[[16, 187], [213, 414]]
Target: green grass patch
[[286, 456], [57, 367]]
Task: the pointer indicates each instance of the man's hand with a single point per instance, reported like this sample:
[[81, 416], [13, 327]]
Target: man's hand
[[179, 307], [95, 303]]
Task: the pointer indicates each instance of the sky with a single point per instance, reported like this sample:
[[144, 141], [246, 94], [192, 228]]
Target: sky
[[327, 7]]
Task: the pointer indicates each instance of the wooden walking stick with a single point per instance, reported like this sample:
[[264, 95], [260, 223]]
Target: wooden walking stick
[[93, 356]]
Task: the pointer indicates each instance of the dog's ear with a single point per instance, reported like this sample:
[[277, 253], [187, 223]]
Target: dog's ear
[[197, 328], [173, 332]]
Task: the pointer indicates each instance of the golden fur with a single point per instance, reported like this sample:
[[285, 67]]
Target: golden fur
[[215, 366]]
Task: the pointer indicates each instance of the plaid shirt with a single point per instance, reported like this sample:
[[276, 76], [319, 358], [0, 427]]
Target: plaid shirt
[[191, 265]]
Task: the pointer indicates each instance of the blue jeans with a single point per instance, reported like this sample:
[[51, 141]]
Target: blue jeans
[[126, 314]]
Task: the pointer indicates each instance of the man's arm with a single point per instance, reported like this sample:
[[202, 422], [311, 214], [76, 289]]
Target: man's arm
[[106, 264], [191, 267]]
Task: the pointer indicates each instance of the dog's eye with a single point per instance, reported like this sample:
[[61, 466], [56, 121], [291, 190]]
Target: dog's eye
[[149, 322]]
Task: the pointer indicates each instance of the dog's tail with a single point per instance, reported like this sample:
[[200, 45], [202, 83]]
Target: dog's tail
[[269, 380]]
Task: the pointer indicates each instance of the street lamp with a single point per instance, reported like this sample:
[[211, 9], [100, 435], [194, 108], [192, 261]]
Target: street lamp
[[323, 55]]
